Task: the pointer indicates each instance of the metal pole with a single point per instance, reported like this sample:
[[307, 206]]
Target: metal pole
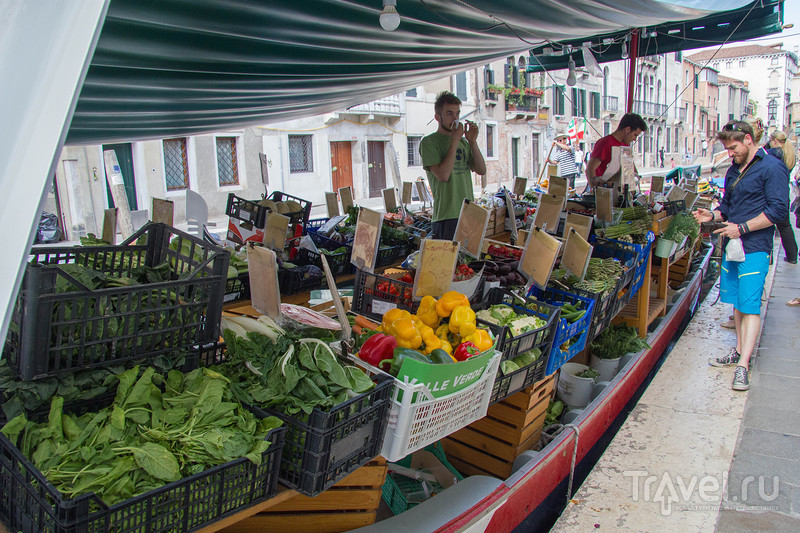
[[546, 162], [633, 53]]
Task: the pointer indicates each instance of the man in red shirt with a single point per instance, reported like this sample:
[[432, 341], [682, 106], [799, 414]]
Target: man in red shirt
[[628, 130]]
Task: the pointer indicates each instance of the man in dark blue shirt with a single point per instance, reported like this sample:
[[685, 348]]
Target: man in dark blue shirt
[[756, 197]]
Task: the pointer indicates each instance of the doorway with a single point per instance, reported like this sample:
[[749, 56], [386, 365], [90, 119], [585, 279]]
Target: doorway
[[377, 168], [535, 158], [341, 165], [125, 159]]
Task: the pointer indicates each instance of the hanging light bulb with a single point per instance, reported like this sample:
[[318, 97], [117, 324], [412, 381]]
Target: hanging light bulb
[[624, 53], [390, 18], [571, 79]]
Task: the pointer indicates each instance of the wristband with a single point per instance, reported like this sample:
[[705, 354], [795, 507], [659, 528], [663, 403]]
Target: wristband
[[746, 227], [741, 229]]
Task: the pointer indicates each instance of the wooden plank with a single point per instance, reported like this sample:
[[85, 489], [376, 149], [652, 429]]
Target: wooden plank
[[500, 430], [527, 398], [283, 495], [517, 418], [331, 500], [304, 523], [499, 449], [472, 456], [468, 469], [366, 476]]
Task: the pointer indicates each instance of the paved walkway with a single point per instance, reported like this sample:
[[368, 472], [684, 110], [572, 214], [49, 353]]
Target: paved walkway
[[692, 448]]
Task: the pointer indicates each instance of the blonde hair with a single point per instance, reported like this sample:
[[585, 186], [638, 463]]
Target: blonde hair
[[758, 130], [789, 158]]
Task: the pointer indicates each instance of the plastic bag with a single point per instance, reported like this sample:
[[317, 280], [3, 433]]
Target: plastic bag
[[48, 230], [734, 252], [411, 261]]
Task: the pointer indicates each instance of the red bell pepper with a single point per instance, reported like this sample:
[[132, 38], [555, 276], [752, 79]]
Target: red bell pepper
[[377, 348], [466, 350]]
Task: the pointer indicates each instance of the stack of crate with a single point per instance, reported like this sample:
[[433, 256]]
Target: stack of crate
[[512, 426]]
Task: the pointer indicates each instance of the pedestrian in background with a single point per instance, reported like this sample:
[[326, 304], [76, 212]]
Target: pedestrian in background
[[565, 158], [783, 149]]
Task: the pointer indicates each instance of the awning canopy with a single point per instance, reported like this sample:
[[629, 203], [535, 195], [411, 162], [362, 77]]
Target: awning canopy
[[754, 20], [183, 67]]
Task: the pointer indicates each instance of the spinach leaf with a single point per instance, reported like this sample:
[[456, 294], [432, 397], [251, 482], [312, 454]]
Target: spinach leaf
[[157, 461]]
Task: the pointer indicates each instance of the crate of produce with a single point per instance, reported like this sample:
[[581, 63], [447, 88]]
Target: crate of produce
[[255, 211], [349, 504], [237, 288], [300, 279], [389, 254], [323, 447], [374, 294], [572, 333], [634, 256], [401, 493], [489, 446], [82, 306], [332, 241], [525, 347], [338, 262], [29, 502], [423, 411]]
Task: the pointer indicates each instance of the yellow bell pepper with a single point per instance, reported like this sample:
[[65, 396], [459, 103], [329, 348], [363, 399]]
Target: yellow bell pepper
[[462, 321], [449, 301], [481, 339], [406, 333], [429, 338], [447, 347], [389, 318], [442, 332], [427, 312]]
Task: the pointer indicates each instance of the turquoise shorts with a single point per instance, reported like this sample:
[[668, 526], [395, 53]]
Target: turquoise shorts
[[742, 284]]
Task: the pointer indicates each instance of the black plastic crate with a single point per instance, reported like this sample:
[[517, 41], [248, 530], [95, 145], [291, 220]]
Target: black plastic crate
[[510, 346], [29, 503], [250, 211], [374, 294], [237, 288], [54, 332], [338, 263], [387, 256], [326, 446], [293, 282]]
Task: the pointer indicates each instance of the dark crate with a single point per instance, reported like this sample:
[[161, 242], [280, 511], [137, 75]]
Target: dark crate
[[293, 282], [131, 322], [603, 305], [373, 303], [387, 256], [635, 257], [250, 211], [338, 263], [29, 503], [542, 338], [322, 241], [237, 288], [324, 447]]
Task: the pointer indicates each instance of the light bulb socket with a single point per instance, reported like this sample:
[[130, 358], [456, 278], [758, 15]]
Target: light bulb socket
[[571, 78]]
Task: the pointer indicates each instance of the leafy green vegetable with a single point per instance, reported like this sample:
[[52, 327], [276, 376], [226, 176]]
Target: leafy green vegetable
[[145, 438], [616, 341]]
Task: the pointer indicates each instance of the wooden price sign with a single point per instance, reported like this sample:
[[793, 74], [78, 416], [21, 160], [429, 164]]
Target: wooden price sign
[[520, 184], [511, 214], [656, 185], [337, 301], [346, 195], [523, 238], [676, 193], [557, 186], [580, 223], [690, 199], [333, 204], [539, 256], [275, 231], [265, 293], [604, 203], [471, 228], [549, 211], [437, 263], [389, 199], [577, 253], [367, 237], [163, 211], [408, 189], [690, 185], [110, 225]]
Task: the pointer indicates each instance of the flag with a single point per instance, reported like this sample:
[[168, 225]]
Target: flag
[[581, 130], [572, 131]]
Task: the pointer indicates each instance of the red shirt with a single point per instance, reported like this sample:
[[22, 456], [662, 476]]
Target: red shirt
[[602, 151]]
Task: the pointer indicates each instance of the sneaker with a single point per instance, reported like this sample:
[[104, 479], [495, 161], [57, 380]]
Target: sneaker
[[730, 359], [740, 381], [790, 261]]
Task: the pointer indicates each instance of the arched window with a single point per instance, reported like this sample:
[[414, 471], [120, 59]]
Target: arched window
[[772, 112]]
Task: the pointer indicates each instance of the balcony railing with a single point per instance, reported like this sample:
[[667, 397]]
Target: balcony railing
[[385, 106], [523, 103], [491, 95], [610, 103], [648, 109]]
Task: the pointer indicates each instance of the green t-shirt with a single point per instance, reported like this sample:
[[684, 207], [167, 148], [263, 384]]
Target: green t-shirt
[[447, 195]]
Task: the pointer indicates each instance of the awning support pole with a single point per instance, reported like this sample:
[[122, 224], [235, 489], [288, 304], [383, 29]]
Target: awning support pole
[[633, 51]]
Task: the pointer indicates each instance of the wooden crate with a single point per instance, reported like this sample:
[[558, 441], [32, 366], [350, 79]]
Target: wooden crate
[[490, 445], [350, 504]]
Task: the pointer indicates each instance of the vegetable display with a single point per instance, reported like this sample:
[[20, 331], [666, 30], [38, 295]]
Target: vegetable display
[[270, 367], [521, 361], [156, 431], [616, 341], [602, 276], [503, 315]]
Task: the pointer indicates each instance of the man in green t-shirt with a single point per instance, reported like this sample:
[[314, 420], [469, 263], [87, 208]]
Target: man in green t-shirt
[[448, 156]]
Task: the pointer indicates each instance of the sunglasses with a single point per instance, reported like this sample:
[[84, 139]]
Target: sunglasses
[[733, 126]]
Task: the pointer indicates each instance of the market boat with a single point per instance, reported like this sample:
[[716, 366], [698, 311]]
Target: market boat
[[532, 498]]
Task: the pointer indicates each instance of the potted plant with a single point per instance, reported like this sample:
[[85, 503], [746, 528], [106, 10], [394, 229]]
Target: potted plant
[[681, 228], [609, 347], [575, 384]]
